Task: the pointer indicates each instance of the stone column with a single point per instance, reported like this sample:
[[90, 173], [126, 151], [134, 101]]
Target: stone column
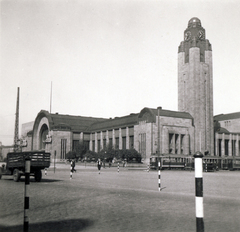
[[127, 138], [107, 138], [120, 138], [96, 142], [237, 145], [179, 144], [174, 145], [165, 140], [216, 145], [230, 145], [186, 145], [101, 140], [90, 143], [223, 144], [113, 138]]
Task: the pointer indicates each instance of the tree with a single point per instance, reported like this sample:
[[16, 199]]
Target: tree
[[80, 150], [71, 155]]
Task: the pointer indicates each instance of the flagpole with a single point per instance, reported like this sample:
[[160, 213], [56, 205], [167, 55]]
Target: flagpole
[[51, 99]]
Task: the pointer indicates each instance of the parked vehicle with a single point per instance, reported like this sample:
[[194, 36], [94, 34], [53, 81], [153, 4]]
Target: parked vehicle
[[210, 163], [231, 163], [170, 161], [15, 164]]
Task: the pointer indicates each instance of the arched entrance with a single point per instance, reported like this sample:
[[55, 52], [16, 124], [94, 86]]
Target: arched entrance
[[42, 136]]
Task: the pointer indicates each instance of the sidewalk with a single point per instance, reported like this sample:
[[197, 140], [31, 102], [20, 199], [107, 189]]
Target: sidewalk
[[80, 165]]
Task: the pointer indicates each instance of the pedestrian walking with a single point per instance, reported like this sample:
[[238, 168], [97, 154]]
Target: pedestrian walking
[[73, 165], [99, 164], [72, 168]]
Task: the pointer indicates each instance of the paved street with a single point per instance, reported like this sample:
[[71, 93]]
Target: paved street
[[124, 201]]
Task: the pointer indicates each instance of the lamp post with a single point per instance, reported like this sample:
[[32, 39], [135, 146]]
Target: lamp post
[[158, 150], [54, 159]]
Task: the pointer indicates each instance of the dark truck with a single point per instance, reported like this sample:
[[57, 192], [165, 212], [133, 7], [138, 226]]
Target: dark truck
[[15, 164]]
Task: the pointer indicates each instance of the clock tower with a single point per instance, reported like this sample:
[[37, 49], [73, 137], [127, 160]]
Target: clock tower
[[195, 84]]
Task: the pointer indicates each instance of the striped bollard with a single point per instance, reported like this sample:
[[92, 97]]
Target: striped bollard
[[45, 171], [148, 167], [159, 175], [118, 167], [199, 191], [26, 194]]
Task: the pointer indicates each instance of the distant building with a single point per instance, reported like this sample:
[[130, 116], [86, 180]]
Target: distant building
[[4, 150], [227, 134]]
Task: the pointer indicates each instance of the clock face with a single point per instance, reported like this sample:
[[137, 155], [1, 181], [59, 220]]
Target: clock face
[[201, 34], [187, 36]]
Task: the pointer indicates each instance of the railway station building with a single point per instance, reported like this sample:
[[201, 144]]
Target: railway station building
[[153, 130], [147, 131]]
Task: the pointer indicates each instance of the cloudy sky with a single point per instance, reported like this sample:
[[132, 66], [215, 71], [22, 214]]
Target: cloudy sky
[[108, 58]]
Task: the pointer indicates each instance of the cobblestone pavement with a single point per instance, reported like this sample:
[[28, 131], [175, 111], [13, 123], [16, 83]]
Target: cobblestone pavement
[[124, 201]]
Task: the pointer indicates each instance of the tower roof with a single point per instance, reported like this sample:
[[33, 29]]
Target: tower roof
[[195, 36], [194, 22]]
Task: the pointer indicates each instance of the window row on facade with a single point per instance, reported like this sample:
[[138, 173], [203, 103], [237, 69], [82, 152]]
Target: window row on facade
[[227, 145]]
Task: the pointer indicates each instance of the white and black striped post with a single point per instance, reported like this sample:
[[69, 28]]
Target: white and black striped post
[[71, 171], [199, 191], [148, 167], [159, 175], [118, 167], [45, 171], [26, 194]]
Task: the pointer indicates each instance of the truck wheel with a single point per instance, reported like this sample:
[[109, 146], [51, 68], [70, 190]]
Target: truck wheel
[[16, 175], [38, 175]]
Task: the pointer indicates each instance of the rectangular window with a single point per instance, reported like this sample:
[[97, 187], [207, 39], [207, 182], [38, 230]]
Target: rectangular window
[[86, 145], [98, 145], [143, 145], [219, 147], [117, 143], [75, 144], [110, 143], [93, 145], [104, 143], [63, 149], [171, 143], [226, 147], [131, 142], [176, 143], [124, 143]]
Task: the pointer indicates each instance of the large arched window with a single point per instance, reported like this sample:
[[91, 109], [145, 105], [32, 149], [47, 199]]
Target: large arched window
[[42, 136]]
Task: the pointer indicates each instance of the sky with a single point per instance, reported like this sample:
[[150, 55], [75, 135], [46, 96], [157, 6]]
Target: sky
[[108, 58]]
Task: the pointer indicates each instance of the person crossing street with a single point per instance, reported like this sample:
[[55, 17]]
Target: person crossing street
[[99, 165]]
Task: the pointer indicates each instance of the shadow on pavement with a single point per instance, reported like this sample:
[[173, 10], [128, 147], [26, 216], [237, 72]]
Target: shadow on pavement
[[33, 180], [72, 225]]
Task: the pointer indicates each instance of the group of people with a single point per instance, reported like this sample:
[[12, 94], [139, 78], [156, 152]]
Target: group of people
[[99, 165], [73, 163]]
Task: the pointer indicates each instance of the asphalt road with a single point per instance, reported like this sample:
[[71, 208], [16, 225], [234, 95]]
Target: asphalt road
[[124, 201]]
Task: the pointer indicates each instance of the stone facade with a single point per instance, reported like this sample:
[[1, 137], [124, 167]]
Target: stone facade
[[195, 84], [227, 134]]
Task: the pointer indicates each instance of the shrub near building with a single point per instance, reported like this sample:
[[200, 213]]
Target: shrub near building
[[113, 155]]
